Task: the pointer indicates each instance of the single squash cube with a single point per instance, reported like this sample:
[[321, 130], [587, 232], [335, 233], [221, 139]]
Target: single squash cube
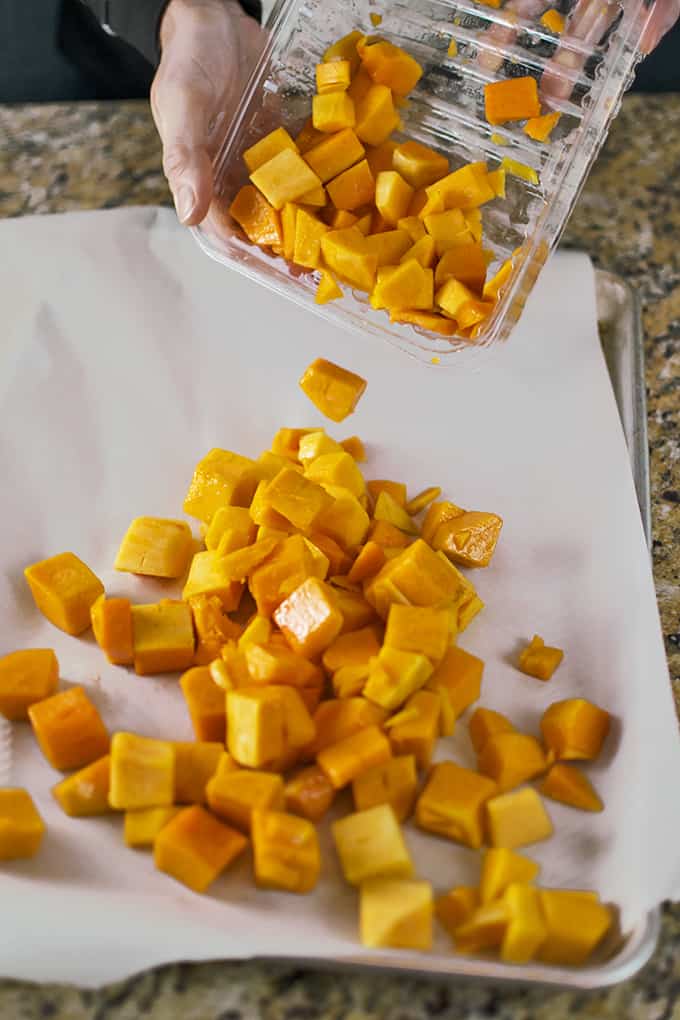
[[259, 220], [213, 574], [221, 478], [333, 76], [456, 907], [86, 793], [268, 147], [511, 99], [337, 469], [316, 444], [352, 188], [510, 759], [471, 538], [420, 629], [438, 513], [348, 758], [452, 803], [370, 844], [26, 676], [309, 230], [195, 848], [426, 320], [255, 725], [413, 225], [112, 627], [327, 289], [141, 827], [69, 729], [575, 729], [231, 528], [569, 785], [465, 188], [345, 49], [388, 246], [414, 730], [335, 154], [397, 490], [539, 128], [501, 868], [576, 923], [485, 723], [367, 564], [353, 649], [163, 637], [291, 563], [392, 197], [390, 65], [195, 763], [286, 443], [336, 719], [156, 547], [234, 795], [376, 117], [21, 827], [465, 263], [345, 253], [286, 851], [449, 225], [309, 793], [396, 913], [331, 112], [494, 286], [539, 659], [526, 929], [517, 819], [419, 165], [356, 611], [458, 681], [272, 664], [64, 589], [142, 772], [345, 520], [206, 704], [297, 498], [387, 509], [285, 177], [241, 564], [394, 675], [424, 252], [309, 618], [213, 628], [335, 391], [416, 576], [395, 782], [484, 929]]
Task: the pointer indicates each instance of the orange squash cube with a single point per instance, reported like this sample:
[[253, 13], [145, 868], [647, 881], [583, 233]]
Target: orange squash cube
[[142, 772], [413, 226], [576, 923], [352, 649], [465, 263], [345, 49], [540, 128], [286, 851], [484, 929], [465, 188], [423, 251], [575, 728], [268, 147], [335, 391], [213, 628], [452, 803], [86, 793], [420, 629], [259, 220], [64, 589], [69, 729], [307, 244], [376, 117], [396, 913], [511, 99], [380, 156], [367, 564], [221, 478], [569, 785], [334, 154], [332, 112], [21, 827], [195, 763], [418, 576], [206, 704], [309, 793], [414, 730], [348, 758], [336, 719], [419, 165], [270, 664], [195, 848], [458, 681], [327, 289], [426, 320], [511, 759], [469, 539], [456, 907], [345, 253], [392, 196], [231, 528], [485, 723], [286, 177], [333, 76], [394, 782], [309, 618], [539, 660], [397, 490], [234, 795], [352, 188], [337, 470], [502, 868], [389, 65], [112, 628], [388, 246], [26, 677], [297, 498], [408, 285]]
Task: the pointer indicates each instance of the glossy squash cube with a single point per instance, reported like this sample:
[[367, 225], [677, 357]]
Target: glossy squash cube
[[69, 729], [567, 784], [285, 851], [142, 772], [392, 197], [396, 913], [511, 759], [141, 826], [333, 76], [332, 112], [416, 576], [195, 848], [212, 574], [163, 637], [345, 520], [309, 618], [336, 719], [576, 923], [352, 649], [456, 907], [526, 930], [291, 563], [26, 676], [297, 498], [231, 528], [469, 539], [465, 188], [213, 628], [21, 827], [334, 154], [351, 189], [335, 391], [345, 253], [420, 629], [309, 230], [452, 803], [64, 589], [485, 723], [458, 680], [86, 793], [395, 782], [390, 65], [370, 844], [259, 220], [206, 704], [112, 628], [272, 664]]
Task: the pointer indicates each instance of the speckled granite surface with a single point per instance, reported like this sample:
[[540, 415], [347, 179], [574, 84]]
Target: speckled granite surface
[[57, 158]]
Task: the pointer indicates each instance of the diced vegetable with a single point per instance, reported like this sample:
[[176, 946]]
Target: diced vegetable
[[21, 827], [26, 677], [69, 729], [64, 590]]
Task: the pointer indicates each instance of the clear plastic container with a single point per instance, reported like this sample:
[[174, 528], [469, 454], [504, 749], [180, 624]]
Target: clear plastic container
[[583, 74]]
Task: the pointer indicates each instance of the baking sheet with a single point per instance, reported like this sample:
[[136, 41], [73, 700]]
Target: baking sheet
[[126, 355]]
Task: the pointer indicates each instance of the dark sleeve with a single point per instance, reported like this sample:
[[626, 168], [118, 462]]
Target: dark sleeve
[[138, 21]]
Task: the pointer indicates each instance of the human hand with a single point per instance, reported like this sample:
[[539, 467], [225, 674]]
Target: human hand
[[208, 49], [664, 15]]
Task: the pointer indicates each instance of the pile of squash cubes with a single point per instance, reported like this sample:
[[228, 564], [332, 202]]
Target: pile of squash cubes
[[317, 639], [344, 199]]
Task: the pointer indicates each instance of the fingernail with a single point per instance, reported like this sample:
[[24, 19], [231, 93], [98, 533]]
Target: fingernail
[[185, 200]]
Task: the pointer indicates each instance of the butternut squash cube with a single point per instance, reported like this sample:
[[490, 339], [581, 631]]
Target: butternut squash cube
[[307, 244], [497, 181], [413, 226], [471, 538], [369, 561], [69, 729], [458, 680], [465, 188], [222, 478], [456, 906], [539, 660], [297, 498], [394, 675], [335, 391], [327, 289], [414, 730], [465, 263], [206, 704], [234, 795], [195, 848], [387, 509], [370, 844], [255, 725], [353, 649], [446, 226], [452, 803], [155, 547], [286, 176], [337, 469], [331, 112], [334, 154], [163, 636], [286, 443], [526, 929], [345, 49], [397, 490], [356, 611], [349, 757], [408, 285], [380, 156], [510, 759], [576, 923], [316, 444], [211, 574], [416, 576], [309, 793], [26, 676], [345, 253], [512, 99], [269, 664], [141, 827], [500, 869], [268, 147], [540, 128], [195, 763], [485, 723], [569, 785], [309, 618], [86, 793], [21, 827], [333, 76], [286, 851], [395, 782], [231, 528], [390, 65], [64, 589], [334, 720], [484, 929], [423, 251], [425, 320], [349, 681], [290, 565], [142, 772], [517, 819], [259, 220], [376, 117], [396, 913], [213, 628], [575, 729], [421, 629], [494, 286], [112, 627], [392, 196], [419, 165], [352, 188], [388, 246]]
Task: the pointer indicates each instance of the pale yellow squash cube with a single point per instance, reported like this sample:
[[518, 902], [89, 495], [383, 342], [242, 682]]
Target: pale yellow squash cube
[[255, 725], [64, 590], [337, 469], [345, 520], [21, 827], [163, 637], [268, 147], [285, 851], [284, 178], [142, 772], [155, 547], [392, 196], [517, 819], [332, 112], [141, 827], [370, 844], [396, 913], [420, 629]]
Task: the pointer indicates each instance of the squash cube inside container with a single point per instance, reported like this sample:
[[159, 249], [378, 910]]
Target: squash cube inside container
[[576, 923], [419, 165], [390, 65], [376, 117], [286, 851], [260, 221], [155, 547], [196, 762], [575, 728], [307, 240], [86, 793], [69, 729], [396, 913], [335, 391], [517, 819], [331, 112], [526, 929], [484, 929], [334, 154], [26, 676], [234, 795], [268, 147], [21, 827], [309, 618], [195, 848], [64, 589], [346, 254], [112, 628], [512, 99], [395, 782], [392, 196], [370, 844], [333, 76], [352, 188], [141, 826], [452, 803], [285, 177], [206, 704], [142, 772], [221, 478], [163, 637]]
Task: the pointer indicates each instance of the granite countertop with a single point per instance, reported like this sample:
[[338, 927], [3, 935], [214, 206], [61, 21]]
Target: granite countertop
[[56, 158]]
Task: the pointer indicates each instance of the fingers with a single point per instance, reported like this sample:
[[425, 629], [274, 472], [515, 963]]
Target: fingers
[[664, 15]]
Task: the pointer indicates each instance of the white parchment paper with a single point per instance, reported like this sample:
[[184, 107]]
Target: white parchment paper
[[125, 355]]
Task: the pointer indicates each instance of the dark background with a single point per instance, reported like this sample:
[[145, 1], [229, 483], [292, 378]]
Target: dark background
[[33, 67]]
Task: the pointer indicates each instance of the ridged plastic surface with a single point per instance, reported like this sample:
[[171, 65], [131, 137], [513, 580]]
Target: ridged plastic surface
[[583, 74]]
